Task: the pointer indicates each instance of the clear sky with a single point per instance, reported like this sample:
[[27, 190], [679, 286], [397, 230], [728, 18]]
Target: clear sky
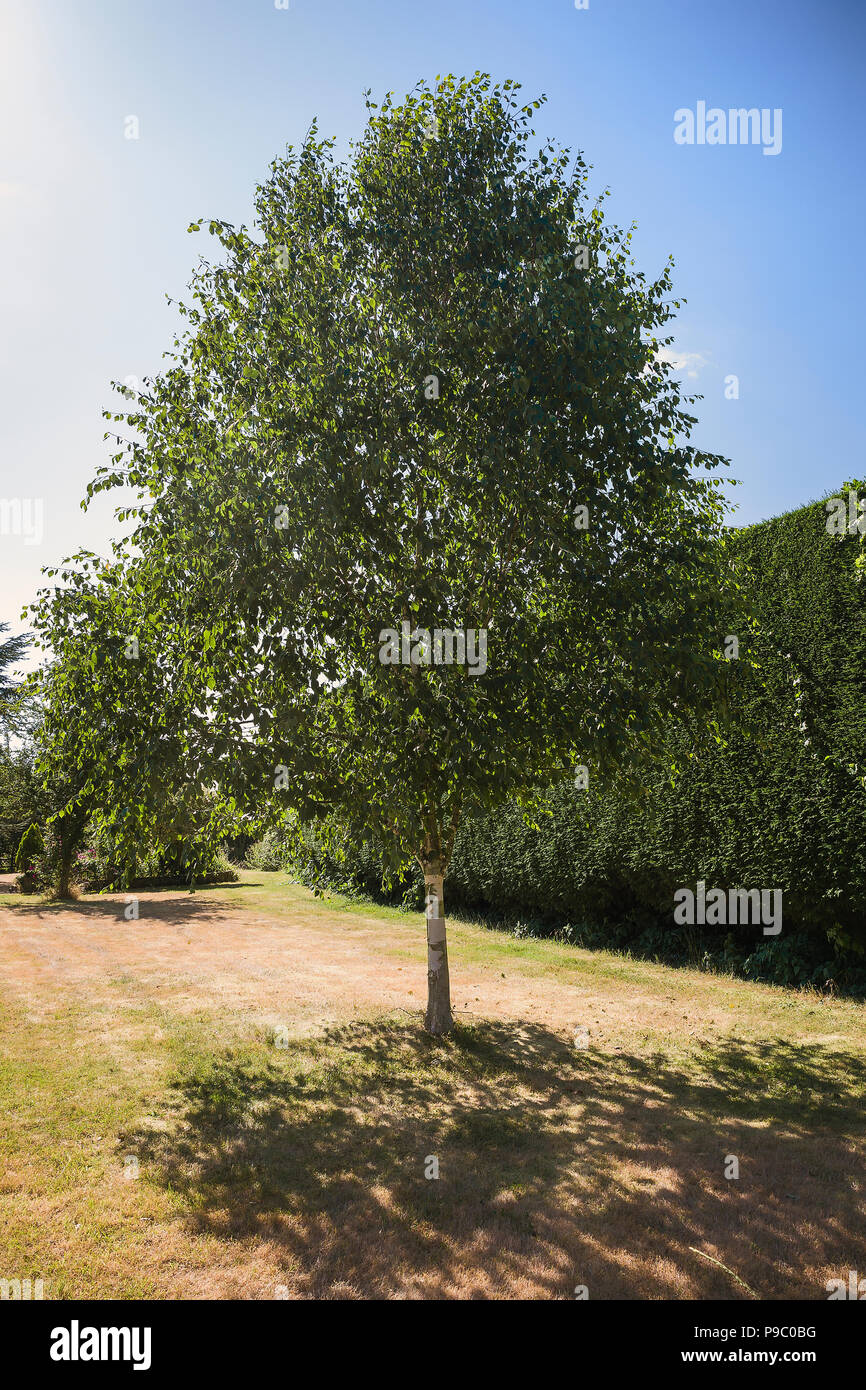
[[768, 248]]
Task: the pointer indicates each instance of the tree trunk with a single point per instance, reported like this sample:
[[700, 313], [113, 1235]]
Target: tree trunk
[[69, 830], [439, 1020]]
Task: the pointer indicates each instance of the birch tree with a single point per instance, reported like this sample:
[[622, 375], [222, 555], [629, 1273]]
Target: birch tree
[[416, 502]]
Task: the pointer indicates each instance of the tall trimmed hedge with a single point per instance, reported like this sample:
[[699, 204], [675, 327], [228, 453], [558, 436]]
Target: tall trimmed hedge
[[780, 803]]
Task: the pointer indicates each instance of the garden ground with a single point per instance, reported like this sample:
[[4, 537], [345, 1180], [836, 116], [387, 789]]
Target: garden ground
[[233, 1097]]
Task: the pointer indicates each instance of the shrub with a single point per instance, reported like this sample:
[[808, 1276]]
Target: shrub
[[30, 846], [266, 853], [97, 865]]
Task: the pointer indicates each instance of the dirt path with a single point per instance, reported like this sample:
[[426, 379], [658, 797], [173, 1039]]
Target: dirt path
[[192, 952], [298, 969]]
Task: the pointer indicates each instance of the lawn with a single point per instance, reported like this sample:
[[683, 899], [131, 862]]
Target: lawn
[[233, 1097]]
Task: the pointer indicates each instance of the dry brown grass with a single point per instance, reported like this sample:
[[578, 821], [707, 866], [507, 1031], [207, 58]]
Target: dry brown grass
[[300, 1170]]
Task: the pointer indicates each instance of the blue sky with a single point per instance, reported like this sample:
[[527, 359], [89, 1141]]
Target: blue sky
[[768, 249]]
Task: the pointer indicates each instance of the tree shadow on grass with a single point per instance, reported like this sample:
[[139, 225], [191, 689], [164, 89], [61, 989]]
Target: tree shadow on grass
[[174, 906], [557, 1167]]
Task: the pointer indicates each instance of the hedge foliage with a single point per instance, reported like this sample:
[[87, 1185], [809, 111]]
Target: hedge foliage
[[779, 803]]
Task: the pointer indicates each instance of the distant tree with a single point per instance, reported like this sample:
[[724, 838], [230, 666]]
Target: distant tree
[[120, 745], [12, 650], [419, 528], [30, 845], [22, 799], [18, 801]]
